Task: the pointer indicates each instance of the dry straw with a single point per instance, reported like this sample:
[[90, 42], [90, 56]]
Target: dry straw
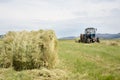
[[111, 42], [29, 50]]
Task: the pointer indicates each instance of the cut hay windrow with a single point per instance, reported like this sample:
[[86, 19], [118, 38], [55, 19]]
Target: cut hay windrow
[[29, 50]]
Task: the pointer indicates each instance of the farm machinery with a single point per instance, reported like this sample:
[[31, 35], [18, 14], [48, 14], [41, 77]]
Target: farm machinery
[[89, 36]]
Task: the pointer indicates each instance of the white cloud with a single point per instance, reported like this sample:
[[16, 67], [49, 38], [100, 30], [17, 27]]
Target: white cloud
[[67, 17]]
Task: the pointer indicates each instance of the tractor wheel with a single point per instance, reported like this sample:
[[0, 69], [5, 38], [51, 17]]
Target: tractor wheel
[[97, 40], [79, 40]]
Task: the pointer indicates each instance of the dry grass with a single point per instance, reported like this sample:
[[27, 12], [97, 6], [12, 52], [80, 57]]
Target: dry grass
[[34, 74], [45, 74], [111, 42], [29, 50]]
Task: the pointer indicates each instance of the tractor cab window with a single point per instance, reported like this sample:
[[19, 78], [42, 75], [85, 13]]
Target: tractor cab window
[[90, 31]]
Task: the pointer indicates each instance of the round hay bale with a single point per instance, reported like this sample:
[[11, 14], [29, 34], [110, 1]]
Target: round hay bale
[[29, 50]]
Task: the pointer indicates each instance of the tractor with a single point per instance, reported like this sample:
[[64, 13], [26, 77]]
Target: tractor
[[89, 36]]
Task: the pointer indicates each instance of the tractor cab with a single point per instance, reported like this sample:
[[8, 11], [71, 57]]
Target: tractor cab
[[90, 32]]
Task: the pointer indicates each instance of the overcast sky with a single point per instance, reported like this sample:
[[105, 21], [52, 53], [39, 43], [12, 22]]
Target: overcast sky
[[66, 17]]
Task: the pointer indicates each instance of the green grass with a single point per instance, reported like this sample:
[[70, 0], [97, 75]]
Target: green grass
[[98, 61], [90, 61]]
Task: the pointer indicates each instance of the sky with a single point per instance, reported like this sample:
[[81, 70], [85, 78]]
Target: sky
[[65, 17]]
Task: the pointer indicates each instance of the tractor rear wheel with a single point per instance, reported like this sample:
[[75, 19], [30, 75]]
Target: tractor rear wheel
[[97, 40]]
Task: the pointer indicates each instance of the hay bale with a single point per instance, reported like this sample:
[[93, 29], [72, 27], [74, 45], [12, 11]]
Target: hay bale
[[29, 50]]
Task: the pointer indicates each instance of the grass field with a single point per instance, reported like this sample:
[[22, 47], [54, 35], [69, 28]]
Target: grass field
[[98, 61]]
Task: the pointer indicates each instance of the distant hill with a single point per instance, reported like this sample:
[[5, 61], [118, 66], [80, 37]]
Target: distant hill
[[101, 36], [108, 36]]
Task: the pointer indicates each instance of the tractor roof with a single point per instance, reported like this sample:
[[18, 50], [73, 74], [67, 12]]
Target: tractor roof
[[89, 28]]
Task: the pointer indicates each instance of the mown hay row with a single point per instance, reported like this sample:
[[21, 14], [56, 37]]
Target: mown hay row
[[29, 50], [111, 42], [34, 74]]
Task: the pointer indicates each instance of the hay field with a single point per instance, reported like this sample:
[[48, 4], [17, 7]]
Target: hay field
[[78, 61], [98, 61]]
